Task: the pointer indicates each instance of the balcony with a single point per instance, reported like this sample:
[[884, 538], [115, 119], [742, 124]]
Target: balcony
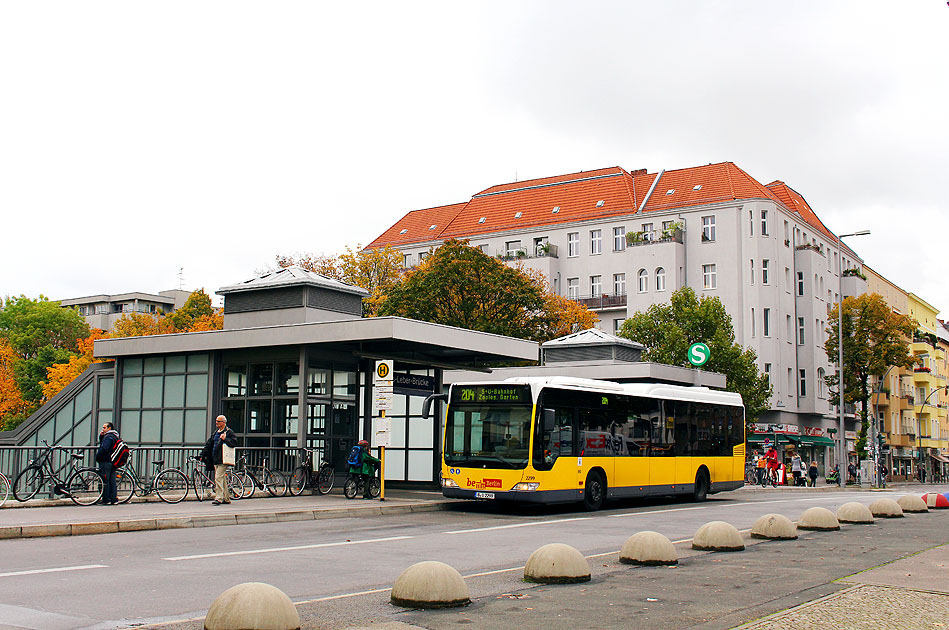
[[547, 250], [600, 302], [881, 399], [897, 439], [635, 239]]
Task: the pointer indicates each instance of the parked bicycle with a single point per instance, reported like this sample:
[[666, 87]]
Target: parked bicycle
[[83, 484], [303, 475], [169, 484], [203, 483], [355, 485], [4, 489], [273, 481]]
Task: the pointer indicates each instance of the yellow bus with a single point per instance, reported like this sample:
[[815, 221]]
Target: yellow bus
[[560, 439]]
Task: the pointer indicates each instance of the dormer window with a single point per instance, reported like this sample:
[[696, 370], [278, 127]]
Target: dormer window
[[517, 215], [555, 210], [697, 187], [670, 191], [600, 203], [432, 227], [403, 231], [482, 219]]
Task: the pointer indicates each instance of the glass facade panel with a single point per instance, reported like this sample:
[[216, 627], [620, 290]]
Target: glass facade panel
[[175, 391], [316, 418], [258, 416], [395, 464], [197, 391], [198, 363], [420, 465], [131, 392], [64, 419], [317, 381], [422, 432], [234, 412], [397, 433], [196, 431], [344, 383], [174, 364], [153, 365], [151, 392], [106, 392], [286, 414], [129, 426], [261, 380], [84, 402], [235, 378], [151, 426], [82, 434], [172, 427], [132, 366], [288, 379]]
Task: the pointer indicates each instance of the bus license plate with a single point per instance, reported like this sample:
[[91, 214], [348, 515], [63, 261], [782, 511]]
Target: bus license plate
[[484, 495]]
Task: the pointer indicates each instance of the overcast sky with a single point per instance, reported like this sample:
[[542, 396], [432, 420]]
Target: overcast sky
[[140, 138]]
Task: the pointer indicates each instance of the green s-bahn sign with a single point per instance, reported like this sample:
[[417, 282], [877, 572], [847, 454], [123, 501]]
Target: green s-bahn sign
[[699, 354]]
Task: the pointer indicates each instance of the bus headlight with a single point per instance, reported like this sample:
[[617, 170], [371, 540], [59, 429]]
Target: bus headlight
[[448, 483], [526, 486]]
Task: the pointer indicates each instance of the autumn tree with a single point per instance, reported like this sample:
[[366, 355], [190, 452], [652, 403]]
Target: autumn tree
[[13, 409], [41, 333], [60, 375], [459, 285], [374, 270], [875, 338], [195, 314], [667, 330]]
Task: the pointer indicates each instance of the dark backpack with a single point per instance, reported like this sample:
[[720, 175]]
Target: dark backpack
[[120, 453], [355, 456]]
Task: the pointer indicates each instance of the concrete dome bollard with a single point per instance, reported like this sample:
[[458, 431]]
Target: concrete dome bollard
[[936, 501], [718, 536], [854, 512], [886, 508], [557, 563], [774, 527], [252, 606], [430, 584], [818, 519], [912, 503], [648, 548]]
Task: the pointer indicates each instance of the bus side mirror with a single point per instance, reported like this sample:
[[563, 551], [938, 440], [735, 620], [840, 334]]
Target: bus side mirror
[[550, 420], [427, 404]]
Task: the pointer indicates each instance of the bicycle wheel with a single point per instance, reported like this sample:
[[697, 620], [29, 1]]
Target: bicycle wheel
[[125, 485], [203, 486], [171, 485], [28, 483], [275, 483], [4, 489], [351, 488], [235, 486], [299, 480], [85, 486], [246, 480], [325, 479], [375, 487]]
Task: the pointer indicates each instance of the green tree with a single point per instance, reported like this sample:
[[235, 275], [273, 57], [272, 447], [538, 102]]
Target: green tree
[[875, 338], [667, 331], [42, 333], [460, 285], [196, 307]]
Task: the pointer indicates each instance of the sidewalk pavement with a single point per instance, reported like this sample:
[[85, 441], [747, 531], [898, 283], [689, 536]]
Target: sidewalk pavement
[[63, 518]]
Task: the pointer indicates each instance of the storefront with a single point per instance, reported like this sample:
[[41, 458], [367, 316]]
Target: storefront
[[809, 442]]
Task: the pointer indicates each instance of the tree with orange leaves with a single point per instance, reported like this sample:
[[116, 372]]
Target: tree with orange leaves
[[196, 314], [59, 375], [12, 406]]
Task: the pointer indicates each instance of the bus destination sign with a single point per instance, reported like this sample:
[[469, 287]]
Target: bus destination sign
[[491, 394]]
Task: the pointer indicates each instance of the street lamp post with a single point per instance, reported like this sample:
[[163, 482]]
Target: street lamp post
[[841, 464], [874, 442]]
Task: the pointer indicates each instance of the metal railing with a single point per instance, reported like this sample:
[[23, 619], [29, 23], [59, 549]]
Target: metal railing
[[603, 300]]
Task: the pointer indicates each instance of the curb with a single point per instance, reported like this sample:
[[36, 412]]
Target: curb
[[216, 520]]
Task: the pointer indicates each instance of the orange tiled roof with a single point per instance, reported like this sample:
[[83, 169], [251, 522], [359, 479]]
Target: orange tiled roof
[[416, 225], [577, 195], [796, 203]]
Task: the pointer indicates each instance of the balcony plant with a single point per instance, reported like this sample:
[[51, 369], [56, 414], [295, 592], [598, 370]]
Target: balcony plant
[[633, 238]]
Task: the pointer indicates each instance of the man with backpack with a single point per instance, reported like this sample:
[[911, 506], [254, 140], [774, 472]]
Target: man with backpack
[[362, 463], [112, 454]]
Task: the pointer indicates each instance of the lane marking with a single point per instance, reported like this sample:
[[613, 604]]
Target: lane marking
[[55, 570], [248, 552], [532, 524], [704, 507]]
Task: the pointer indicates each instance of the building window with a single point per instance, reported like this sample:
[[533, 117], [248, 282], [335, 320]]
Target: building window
[[643, 281], [423, 256], [618, 325], [803, 374], [406, 260], [596, 285], [787, 279], [800, 331], [800, 283], [790, 333], [765, 269], [660, 279], [649, 232], [752, 321], [573, 287], [540, 243], [512, 247], [667, 226], [619, 238], [752, 267], [787, 236], [751, 223], [708, 229], [767, 372], [764, 223], [573, 244], [821, 384], [766, 322], [596, 241], [709, 277], [790, 382], [619, 284], [102, 309]]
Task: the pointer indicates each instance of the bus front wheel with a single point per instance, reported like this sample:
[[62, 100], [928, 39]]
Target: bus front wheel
[[701, 487], [594, 491]]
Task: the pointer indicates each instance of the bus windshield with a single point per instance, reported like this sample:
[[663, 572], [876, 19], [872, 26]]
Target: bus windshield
[[487, 435]]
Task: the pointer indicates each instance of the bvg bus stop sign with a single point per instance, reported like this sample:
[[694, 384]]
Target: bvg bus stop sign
[[699, 354]]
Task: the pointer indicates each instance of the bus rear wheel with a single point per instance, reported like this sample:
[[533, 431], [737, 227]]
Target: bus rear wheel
[[701, 487], [594, 491]]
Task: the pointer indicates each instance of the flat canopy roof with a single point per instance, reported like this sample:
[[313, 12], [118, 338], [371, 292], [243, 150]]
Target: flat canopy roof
[[380, 337]]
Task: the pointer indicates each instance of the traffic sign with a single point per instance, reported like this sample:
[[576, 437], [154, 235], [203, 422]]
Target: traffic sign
[[699, 354], [383, 373]]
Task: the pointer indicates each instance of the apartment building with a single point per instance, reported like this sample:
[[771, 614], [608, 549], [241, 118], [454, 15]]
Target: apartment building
[[619, 241], [102, 311]]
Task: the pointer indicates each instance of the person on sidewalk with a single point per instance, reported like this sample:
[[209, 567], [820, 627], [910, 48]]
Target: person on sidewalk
[[108, 437], [213, 453], [366, 468], [812, 475], [760, 470], [797, 469]]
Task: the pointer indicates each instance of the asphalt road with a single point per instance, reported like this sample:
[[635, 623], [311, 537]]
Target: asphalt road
[[117, 580]]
